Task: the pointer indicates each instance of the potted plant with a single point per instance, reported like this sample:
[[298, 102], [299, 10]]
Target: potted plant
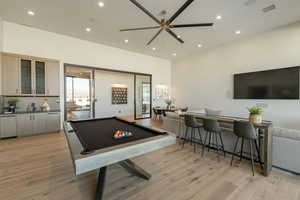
[[169, 103], [12, 103], [255, 114]]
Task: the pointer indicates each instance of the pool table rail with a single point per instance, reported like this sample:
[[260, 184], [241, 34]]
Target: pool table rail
[[110, 155]]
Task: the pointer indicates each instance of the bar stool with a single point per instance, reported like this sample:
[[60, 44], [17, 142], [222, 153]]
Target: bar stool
[[213, 131], [245, 130], [157, 113], [191, 122]]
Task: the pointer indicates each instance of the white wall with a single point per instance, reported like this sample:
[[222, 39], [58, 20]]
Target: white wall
[[206, 79], [103, 88], [24, 40]]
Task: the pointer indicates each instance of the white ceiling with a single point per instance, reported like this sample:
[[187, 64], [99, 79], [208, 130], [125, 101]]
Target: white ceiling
[[71, 17]]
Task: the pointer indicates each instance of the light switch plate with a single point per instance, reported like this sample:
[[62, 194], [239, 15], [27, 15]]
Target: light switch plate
[[262, 105]]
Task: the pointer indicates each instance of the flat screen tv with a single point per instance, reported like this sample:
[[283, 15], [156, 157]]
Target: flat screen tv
[[270, 84]]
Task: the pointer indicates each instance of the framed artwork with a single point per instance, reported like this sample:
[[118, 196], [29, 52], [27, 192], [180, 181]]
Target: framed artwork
[[119, 95]]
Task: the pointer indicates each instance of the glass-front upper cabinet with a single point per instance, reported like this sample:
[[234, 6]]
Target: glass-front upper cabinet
[[26, 74], [40, 80], [33, 77]]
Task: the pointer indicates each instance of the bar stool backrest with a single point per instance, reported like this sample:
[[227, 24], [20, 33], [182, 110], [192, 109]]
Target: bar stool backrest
[[157, 111], [190, 121], [244, 129], [211, 125], [184, 109]]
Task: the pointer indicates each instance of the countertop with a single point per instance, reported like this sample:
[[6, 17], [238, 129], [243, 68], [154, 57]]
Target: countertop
[[25, 112]]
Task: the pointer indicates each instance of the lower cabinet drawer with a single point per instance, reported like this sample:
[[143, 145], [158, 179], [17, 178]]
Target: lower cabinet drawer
[[24, 125], [8, 126], [53, 122]]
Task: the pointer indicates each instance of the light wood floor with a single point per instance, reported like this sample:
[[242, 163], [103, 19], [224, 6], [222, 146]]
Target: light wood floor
[[40, 168]]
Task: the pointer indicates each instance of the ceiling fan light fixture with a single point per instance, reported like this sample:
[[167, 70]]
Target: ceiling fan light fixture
[[238, 32], [153, 48], [218, 17], [166, 24], [199, 45], [126, 41], [88, 29], [30, 12]]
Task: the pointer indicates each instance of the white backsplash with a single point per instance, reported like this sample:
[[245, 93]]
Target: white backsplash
[[25, 101]]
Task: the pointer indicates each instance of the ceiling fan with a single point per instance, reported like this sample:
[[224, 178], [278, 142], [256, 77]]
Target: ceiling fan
[[164, 24]]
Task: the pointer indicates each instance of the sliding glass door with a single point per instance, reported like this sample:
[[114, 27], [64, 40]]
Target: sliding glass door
[[92, 92], [142, 96], [78, 93]]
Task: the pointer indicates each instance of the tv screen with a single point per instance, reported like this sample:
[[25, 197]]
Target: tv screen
[[271, 84]]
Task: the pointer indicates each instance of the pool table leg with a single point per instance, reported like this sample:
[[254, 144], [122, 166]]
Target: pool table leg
[[134, 169], [101, 182]]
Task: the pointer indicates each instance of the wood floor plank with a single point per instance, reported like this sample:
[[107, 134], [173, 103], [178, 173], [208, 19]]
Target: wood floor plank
[[40, 168]]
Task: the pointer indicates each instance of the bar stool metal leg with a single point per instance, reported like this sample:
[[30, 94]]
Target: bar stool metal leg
[[204, 145], [185, 136], [221, 139], [234, 150], [258, 155], [242, 149], [209, 141], [251, 153], [217, 145], [199, 133], [193, 138]]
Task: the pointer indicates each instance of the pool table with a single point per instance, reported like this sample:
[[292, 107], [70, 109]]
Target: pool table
[[92, 146]]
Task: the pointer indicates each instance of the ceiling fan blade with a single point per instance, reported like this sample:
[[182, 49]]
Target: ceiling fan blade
[[155, 36], [174, 35], [183, 7], [191, 25], [137, 29], [145, 11]]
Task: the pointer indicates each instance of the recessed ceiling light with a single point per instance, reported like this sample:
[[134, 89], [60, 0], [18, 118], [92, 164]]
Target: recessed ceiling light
[[29, 12], [199, 45], [88, 29], [153, 48], [101, 4], [218, 17], [126, 40], [174, 54], [237, 32]]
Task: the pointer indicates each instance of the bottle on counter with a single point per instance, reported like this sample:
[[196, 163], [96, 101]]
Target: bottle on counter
[[45, 106]]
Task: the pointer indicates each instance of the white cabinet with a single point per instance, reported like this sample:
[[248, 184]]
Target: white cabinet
[[37, 123], [24, 125], [52, 78], [53, 122], [10, 75], [8, 126], [31, 124], [28, 76]]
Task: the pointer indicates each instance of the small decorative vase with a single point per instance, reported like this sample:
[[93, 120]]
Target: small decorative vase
[[257, 119]]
